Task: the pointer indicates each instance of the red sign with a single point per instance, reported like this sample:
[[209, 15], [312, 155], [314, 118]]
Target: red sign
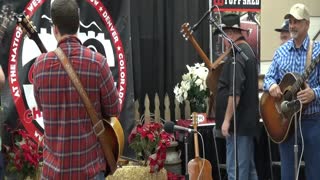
[[238, 5]]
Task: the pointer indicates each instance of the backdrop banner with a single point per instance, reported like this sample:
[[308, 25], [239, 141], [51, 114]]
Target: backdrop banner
[[104, 27], [249, 12]]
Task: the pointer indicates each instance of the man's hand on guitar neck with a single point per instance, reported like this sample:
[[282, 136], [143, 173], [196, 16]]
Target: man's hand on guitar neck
[[306, 95], [275, 91]]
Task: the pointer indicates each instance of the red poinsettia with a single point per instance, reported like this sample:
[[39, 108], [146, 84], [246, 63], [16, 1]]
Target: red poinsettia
[[150, 141], [24, 154]]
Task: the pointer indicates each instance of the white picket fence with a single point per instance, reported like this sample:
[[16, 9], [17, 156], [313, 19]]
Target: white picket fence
[[147, 116]]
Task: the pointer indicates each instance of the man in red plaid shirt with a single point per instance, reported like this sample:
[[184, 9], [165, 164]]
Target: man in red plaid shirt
[[71, 148]]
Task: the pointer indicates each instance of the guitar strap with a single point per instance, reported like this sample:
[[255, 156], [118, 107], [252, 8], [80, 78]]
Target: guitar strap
[[83, 94], [309, 54], [98, 124], [219, 60]]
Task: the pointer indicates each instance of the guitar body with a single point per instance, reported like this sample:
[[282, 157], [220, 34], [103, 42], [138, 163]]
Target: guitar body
[[277, 124], [196, 172], [113, 138], [213, 78], [212, 84]]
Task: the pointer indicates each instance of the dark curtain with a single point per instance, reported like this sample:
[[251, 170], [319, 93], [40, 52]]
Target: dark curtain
[[159, 52], [160, 55]]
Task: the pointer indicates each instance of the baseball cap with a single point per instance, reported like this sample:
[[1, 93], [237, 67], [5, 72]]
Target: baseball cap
[[284, 27], [299, 11]]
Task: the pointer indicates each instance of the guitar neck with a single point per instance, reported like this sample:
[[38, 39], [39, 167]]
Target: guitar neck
[[200, 51], [297, 85], [196, 145], [39, 43], [195, 135]]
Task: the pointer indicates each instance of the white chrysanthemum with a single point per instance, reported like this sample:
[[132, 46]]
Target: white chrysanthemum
[[195, 78], [186, 77], [176, 89], [202, 87], [185, 85], [202, 73], [198, 65], [179, 99], [199, 82]]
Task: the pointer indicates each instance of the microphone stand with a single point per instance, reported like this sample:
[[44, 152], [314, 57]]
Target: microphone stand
[[186, 154], [195, 27], [296, 146]]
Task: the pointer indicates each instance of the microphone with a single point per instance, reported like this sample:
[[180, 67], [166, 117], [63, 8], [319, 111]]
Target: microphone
[[195, 27], [169, 127], [290, 105]]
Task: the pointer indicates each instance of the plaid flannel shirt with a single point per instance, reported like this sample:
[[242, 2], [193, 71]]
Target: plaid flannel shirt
[[71, 149]]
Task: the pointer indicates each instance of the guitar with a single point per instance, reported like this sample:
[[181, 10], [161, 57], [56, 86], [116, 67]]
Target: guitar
[[198, 168], [279, 124], [215, 68], [112, 140]]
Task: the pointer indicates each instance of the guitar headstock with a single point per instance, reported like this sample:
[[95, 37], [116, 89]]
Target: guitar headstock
[[26, 25], [195, 120], [186, 30]]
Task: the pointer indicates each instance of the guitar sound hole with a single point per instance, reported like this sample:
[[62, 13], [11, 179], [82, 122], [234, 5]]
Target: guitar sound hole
[[287, 95]]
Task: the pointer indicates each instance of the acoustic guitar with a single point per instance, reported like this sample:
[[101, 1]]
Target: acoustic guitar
[[214, 68], [112, 140], [198, 168], [277, 123]]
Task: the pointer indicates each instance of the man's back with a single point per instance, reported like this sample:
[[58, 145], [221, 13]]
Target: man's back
[[246, 85], [71, 147]]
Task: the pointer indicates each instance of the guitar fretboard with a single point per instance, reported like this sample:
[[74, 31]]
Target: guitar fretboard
[[297, 85]]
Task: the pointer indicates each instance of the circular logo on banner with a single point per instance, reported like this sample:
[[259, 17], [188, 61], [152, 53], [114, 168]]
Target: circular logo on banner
[[23, 53]]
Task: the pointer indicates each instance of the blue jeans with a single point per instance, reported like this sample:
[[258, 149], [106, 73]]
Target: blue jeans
[[246, 165], [311, 134], [99, 176]]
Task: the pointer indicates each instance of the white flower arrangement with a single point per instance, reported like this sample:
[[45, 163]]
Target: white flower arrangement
[[193, 86]]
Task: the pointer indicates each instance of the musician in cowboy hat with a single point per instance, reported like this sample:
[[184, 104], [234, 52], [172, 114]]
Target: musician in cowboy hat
[[245, 92], [230, 21]]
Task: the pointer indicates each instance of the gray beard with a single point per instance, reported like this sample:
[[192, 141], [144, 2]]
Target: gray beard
[[294, 35]]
